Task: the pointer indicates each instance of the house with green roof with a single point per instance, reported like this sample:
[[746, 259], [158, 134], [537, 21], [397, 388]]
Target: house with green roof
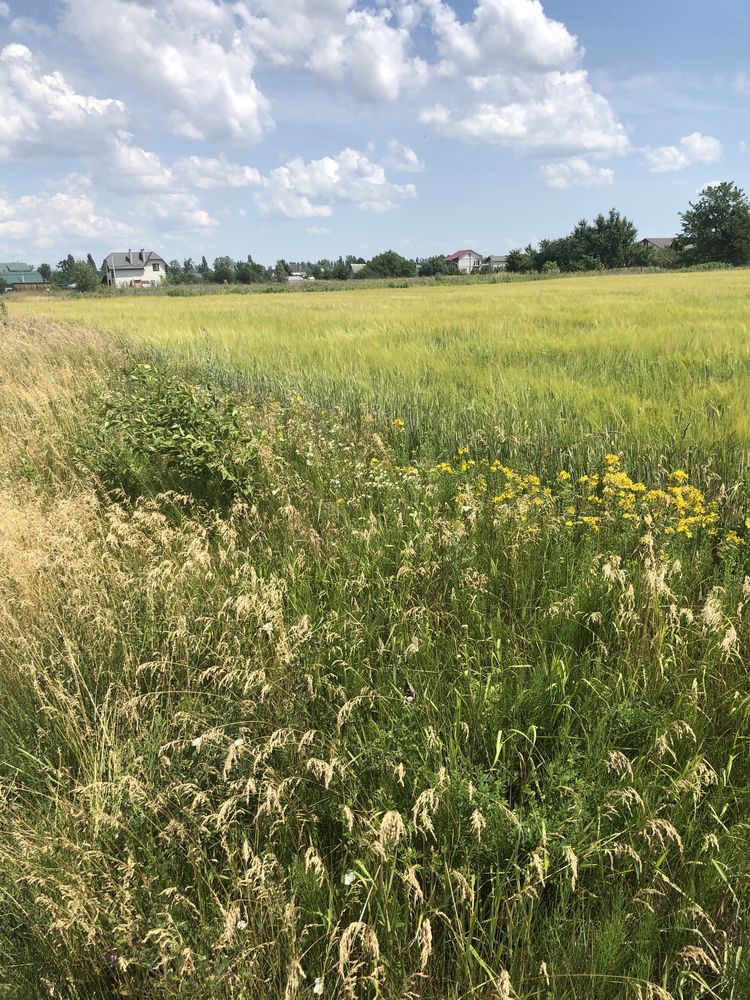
[[21, 277]]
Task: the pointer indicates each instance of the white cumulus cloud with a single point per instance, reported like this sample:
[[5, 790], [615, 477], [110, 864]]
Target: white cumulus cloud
[[368, 50], [123, 165], [193, 57], [42, 114], [307, 190], [402, 158], [517, 80], [575, 172], [510, 35], [58, 218], [694, 148], [556, 112], [176, 212]]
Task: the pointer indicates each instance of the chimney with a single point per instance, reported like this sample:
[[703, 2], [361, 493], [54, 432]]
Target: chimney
[[129, 257], [142, 255]]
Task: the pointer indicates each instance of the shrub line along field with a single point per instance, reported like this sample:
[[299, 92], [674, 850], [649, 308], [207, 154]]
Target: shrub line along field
[[391, 644]]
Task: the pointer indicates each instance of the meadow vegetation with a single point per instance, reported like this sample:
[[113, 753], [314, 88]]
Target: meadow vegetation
[[377, 645]]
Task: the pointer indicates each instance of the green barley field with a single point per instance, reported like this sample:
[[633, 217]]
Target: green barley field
[[379, 643]]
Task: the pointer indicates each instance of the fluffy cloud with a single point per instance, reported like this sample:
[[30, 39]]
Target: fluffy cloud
[[42, 113], [124, 166], [206, 172], [507, 34], [190, 55], [513, 71], [517, 81], [549, 113], [58, 218], [300, 190], [742, 84], [373, 54], [694, 148], [369, 49], [402, 159], [4, 10], [575, 172], [177, 212]]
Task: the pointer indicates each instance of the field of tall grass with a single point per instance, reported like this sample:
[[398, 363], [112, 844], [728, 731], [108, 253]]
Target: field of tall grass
[[655, 366], [386, 644]]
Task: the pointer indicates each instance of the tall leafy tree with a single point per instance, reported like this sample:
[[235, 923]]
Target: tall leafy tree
[[717, 226], [84, 276], [391, 265], [223, 269]]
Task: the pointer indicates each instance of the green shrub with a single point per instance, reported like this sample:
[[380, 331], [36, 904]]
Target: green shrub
[[161, 432]]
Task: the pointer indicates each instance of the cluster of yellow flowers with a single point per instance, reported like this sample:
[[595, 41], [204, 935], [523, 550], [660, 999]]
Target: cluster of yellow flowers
[[606, 497]]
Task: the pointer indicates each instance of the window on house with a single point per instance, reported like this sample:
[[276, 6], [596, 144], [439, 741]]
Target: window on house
[[155, 267]]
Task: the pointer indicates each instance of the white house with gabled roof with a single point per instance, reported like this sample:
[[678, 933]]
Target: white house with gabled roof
[[134, 269]]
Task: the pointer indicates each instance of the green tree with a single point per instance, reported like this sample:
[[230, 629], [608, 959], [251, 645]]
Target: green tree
[[514, 261], [249, 273], [223, 270], [85, 277], [717, 226], [46, 271], [341, 270], [437, 265], [64, 267], [521, 261], [392, 265], [281, 271]]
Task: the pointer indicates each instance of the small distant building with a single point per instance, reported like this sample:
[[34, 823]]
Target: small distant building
[[22, 277], [141, 269], [658, 242], [466, 260], [496, 262], [356, 268]]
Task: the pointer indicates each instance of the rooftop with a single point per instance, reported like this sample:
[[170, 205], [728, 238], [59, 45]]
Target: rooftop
[[131, 259], [660, 242], [461, 253]]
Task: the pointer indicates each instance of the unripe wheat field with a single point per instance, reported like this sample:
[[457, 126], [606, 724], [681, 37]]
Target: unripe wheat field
[[386, 642]]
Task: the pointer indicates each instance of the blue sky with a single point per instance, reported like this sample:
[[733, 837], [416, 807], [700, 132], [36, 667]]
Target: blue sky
[[323, 127]]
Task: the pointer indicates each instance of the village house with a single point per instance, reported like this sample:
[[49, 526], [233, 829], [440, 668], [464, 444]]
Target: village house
[[658, 242], [22, 277], [496, 262], [142, 269], [466, 260]]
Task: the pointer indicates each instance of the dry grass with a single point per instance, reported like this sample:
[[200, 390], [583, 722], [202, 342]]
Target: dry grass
[[371, 721]]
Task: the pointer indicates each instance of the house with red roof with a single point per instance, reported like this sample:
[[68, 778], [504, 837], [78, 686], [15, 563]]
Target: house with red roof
[[466, 260]]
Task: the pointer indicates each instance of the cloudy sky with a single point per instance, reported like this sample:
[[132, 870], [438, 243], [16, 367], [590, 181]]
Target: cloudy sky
[[317, 127]]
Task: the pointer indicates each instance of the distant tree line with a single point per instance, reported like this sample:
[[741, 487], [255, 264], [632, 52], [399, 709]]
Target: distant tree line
[[715, 229]]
